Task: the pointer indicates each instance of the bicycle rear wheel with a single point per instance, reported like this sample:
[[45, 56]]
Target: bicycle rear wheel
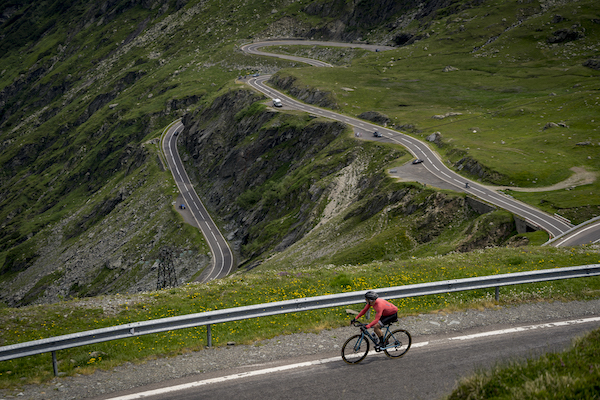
[[355, 349], [400, 340]]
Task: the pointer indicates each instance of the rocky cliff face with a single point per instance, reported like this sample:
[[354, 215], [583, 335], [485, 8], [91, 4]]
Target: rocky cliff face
[[306, 94], [363, 20], [239, 166], [354, 20], [271, 178], [275, 178]]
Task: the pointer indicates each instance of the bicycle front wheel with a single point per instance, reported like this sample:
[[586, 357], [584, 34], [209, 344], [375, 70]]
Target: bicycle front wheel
[[397, 343], [355, 349]]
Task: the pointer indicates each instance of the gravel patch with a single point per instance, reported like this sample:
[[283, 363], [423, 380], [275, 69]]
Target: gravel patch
[[421, 327]]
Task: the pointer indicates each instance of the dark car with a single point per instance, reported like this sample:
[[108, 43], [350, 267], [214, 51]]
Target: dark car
[[417, 161], [377, 134]]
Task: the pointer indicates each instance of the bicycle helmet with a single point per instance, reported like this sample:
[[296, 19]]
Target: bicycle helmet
[[370, 295]]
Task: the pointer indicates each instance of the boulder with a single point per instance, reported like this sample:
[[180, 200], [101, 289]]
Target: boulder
[[449, 68], [593, 63], [564, 35], [376, 117]]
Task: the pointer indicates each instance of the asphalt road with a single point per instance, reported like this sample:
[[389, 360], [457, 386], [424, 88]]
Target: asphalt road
[[432, 164], [223, 261], [254, 48], [428, 371], [431, 161], [586, 233], [432, 170]]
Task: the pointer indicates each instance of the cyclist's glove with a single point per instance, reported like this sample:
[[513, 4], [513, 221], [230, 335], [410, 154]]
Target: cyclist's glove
[[352, 321]]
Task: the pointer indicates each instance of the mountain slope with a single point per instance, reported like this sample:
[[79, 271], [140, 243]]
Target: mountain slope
[[85, 202], [506, 91], [82, 93]]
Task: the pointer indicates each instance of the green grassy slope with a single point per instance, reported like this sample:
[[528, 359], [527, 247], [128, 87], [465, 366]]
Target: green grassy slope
[[525, 106], [282, 282], [89, 88], [86, 92], [572, 374]]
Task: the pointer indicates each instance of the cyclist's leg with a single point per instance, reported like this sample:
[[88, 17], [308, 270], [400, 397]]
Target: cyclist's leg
[[385, 322], [377, 329]]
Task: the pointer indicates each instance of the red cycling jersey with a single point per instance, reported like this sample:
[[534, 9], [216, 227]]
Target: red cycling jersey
[[382, 308]]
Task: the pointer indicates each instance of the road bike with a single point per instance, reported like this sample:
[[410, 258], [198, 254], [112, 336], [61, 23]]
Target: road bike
[[356, 348]]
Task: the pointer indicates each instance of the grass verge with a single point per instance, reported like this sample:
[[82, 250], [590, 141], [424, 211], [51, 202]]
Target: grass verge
[[255, 287], [572, 374]]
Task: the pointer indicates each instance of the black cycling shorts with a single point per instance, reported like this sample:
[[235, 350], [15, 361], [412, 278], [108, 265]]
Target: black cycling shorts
[[388, 319]]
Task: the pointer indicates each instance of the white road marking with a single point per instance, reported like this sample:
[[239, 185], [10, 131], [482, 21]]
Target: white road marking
[[577, 234], [265, 371], [526, 328], [224, 379]]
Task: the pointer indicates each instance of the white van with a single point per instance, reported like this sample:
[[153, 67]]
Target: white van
[[277, 103]]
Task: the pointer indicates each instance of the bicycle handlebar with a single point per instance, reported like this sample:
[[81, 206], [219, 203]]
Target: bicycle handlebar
[[359, 324]]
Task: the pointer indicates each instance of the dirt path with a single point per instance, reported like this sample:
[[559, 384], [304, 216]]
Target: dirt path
[[417, 173], [579, 178]]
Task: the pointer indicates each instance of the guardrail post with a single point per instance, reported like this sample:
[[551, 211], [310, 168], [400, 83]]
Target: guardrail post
[[208, 335], [54, 363], [497, 293]]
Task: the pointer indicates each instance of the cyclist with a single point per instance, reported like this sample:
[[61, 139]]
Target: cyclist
[[385, 313]]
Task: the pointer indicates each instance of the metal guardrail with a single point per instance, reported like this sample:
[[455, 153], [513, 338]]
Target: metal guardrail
[[208, 318]]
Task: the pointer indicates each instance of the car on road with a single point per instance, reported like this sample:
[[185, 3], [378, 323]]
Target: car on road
[[277, 103], [417, 161], [377, 134]]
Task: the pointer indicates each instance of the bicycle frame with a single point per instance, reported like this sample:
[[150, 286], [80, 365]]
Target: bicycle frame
[[365, 332]]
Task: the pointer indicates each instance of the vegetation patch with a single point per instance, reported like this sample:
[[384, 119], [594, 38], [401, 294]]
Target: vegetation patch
[[571, 374], [274, 281], [509, 88]]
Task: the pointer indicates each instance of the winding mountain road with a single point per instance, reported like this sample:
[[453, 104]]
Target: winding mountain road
[[254, 48], [556, 227], [561, 232], [222, 255], [435, 361]]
